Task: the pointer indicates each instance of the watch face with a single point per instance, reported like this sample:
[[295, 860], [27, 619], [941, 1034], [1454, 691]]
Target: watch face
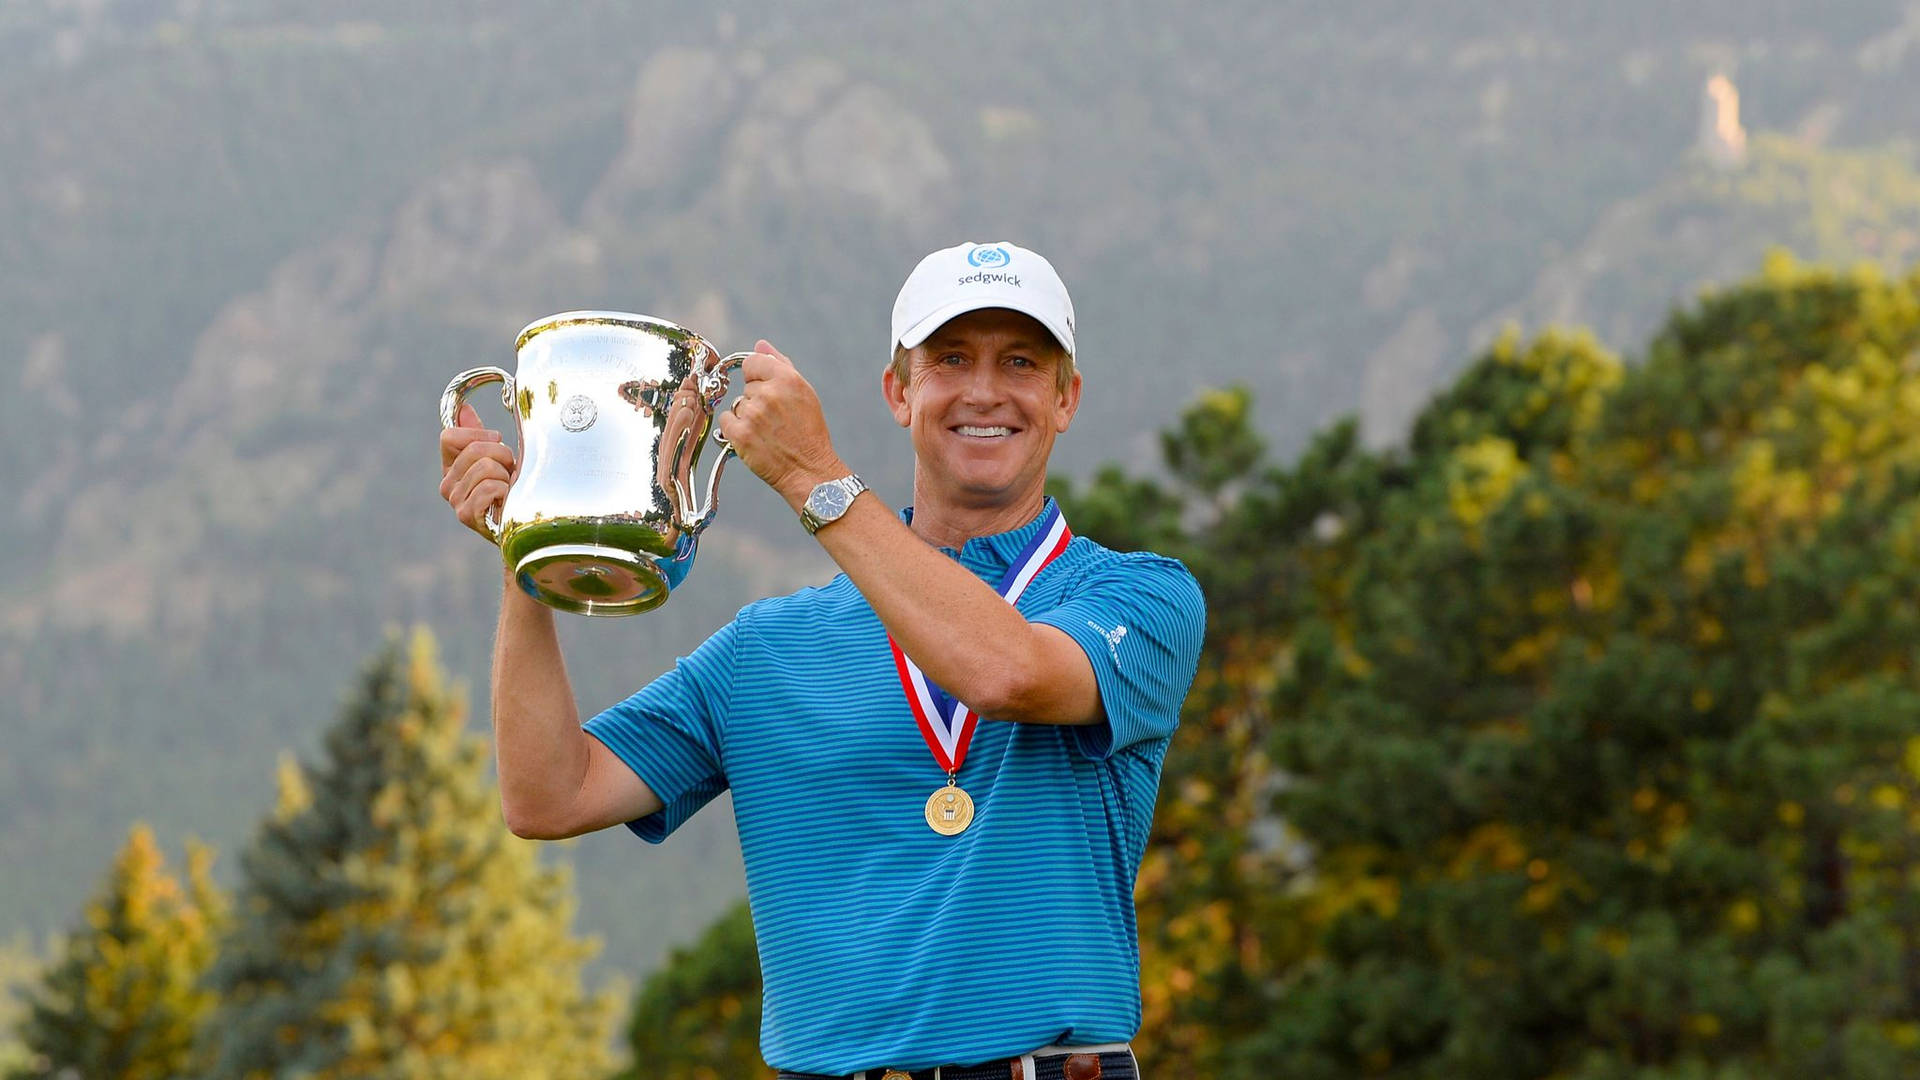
[[829, 501]]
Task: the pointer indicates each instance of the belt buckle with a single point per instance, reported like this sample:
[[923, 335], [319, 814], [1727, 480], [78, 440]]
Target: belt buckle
[[895, 1074]]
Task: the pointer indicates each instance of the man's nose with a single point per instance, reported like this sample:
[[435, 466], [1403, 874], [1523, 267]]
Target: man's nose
[[985, 385]]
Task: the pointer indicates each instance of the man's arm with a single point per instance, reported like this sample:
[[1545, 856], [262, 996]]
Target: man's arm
[[555, 779], [961, 632]]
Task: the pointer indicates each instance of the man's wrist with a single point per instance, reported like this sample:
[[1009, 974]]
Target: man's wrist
[[517, 601], [801, 483]]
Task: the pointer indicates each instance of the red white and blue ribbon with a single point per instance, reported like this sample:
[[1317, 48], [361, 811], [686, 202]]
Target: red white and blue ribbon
[[945, 722]]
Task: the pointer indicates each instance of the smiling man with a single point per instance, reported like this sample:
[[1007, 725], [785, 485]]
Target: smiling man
[[944, 762]]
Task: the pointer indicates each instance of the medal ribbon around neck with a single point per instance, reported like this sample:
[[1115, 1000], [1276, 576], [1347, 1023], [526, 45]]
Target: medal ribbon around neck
[[945, 722]]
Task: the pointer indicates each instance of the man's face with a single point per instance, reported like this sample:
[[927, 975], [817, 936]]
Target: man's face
[[983, 403]]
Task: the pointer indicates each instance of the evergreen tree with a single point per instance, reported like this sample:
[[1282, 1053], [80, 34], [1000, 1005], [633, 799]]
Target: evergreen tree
[[698, 1018], [124, 996], [388, 925], [1600, 723]]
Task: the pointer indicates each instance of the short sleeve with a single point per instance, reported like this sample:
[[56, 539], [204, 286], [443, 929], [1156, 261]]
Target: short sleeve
[[671, 733], [1140, 619]]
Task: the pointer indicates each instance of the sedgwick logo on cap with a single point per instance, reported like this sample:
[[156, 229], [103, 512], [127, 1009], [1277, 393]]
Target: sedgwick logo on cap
[[992, 258]]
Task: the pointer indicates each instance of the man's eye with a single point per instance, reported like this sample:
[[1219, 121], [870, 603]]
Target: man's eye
[[953, 358], [1020, 361]]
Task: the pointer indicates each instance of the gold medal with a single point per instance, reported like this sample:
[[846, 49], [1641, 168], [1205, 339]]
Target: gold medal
[[949, 810]]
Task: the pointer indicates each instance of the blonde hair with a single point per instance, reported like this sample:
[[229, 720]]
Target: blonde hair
[[1063, 375]]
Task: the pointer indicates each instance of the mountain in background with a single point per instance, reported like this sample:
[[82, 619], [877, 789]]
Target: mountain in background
[[247, 244]]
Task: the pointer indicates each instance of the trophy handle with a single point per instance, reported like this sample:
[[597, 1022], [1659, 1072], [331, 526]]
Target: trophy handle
[[714, 383], [456, 395]]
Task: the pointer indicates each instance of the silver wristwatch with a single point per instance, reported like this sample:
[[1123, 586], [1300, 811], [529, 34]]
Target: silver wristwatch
[[828, 501]]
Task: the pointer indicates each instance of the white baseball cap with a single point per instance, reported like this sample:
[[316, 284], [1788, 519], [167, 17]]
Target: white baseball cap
[[969, 277]]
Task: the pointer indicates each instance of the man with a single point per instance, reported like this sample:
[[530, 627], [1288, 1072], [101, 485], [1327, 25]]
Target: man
[[942, 796]]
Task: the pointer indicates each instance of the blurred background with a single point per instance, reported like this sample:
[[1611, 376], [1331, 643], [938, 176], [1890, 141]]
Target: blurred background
[[1535, 389]]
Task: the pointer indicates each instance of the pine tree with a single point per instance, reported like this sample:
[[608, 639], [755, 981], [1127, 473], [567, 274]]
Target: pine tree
[[388, 925], [124, 997]]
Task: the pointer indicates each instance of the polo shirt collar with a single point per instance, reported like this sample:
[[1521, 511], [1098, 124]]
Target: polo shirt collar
[[991, 555]]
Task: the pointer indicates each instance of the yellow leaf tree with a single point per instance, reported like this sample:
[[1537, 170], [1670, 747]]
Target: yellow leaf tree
[[124, 997]]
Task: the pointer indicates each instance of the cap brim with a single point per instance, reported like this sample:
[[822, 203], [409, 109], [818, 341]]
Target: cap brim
[[947, 312]]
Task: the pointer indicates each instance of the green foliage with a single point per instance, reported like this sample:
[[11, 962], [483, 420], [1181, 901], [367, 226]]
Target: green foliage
[[699, 1017], [1583, 729], [124, 997], [1602, 733], [1532, 398], [388, 924], [1215, 443]]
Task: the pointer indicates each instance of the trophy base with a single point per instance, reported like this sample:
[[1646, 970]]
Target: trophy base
[[592, 579]]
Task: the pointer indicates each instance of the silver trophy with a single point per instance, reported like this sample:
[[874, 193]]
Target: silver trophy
[[612, 410]]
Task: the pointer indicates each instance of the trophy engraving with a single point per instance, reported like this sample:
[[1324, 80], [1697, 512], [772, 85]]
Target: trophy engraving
[[603, 517]]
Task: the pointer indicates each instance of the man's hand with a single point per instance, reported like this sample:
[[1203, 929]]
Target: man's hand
[[778, 429], [476, 470]]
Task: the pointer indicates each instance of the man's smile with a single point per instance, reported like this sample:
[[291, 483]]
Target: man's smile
[[979, 432]]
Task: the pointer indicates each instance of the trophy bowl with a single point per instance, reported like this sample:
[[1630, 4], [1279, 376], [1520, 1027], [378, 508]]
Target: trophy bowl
[[612, 412]]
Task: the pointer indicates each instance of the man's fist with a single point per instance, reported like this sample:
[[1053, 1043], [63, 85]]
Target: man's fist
[[476, 470], [778, 429]]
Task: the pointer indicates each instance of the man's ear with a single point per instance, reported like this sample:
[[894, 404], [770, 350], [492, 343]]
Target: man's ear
[[896, 394], [1069, 404]]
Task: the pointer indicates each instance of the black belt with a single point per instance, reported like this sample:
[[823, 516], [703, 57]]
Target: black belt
[[1110, 1065]]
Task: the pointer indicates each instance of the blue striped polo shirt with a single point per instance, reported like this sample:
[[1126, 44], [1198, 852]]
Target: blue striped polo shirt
[[883, 943]]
